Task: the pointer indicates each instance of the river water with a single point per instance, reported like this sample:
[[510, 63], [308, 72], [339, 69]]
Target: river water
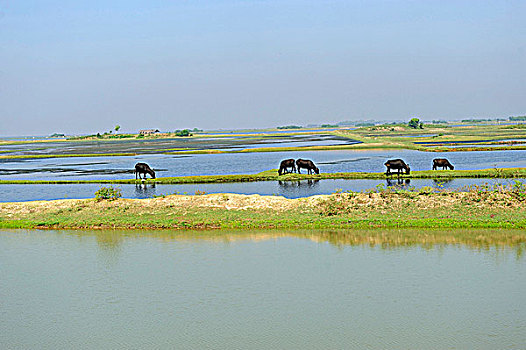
[[256, 290], [97, 168], [288, 189]]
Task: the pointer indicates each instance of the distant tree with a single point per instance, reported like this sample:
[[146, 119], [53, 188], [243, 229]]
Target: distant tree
[[414, 123], [290, 127], [117, 128], [184, 132]]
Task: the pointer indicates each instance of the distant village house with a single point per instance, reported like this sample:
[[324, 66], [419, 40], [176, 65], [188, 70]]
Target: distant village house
[[148, 131]]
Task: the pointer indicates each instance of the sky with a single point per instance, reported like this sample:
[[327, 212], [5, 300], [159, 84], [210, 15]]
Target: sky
[[80, 67]]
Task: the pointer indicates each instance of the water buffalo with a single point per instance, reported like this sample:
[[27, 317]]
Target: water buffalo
[[143, 168], [306, 164], [442, 163], [285, 165], [397, 164]]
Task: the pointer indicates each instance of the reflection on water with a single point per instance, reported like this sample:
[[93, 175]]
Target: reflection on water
[[398, 182], [288, 189], [478, 239], [440, 183], [262, 289], [286, 185], [144, 190]]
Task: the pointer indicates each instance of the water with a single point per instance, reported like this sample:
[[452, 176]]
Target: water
[[255, 290], [288, 189], [97, 168], [166, 145]]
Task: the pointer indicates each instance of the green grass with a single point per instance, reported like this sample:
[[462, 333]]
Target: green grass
[[480, 207], [391, 136], [372, 138], [272, 175]]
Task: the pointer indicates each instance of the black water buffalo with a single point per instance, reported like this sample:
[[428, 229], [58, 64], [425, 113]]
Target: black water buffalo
[[143, 168], [306, 164], [442, 163], [397, 164], [285, 165]]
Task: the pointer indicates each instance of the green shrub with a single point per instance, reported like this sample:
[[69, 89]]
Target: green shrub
[[108, 193], [183, 133], [414, 123], [426, 190]]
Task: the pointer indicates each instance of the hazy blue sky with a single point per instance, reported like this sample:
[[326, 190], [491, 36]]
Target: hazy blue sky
[[85, 66]]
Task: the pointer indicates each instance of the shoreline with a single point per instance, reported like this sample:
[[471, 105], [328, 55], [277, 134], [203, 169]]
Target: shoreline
[[498, 208]]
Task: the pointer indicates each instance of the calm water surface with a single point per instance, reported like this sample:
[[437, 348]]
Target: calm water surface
[[96, 168], [288, 189], [255, 290]]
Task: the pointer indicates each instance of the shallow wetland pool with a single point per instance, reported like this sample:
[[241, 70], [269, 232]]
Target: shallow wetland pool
[[288, 189], [261, 290], [112, 168], [121, 167]]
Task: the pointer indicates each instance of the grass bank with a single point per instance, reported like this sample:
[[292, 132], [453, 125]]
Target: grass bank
[[501, 207], [272, 175], [439, 138]]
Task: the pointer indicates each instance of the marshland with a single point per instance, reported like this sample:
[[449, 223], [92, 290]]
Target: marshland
[[225, 162], [262, 175], [205, 243]]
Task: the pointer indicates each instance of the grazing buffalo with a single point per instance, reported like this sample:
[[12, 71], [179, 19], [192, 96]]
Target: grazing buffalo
[[285, 165], [306, 164], [396, 164], [442, 163], [143, 168]]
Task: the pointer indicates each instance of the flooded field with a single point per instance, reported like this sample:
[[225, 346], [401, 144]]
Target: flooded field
[[97, 168], [167, 145], [260, 290]]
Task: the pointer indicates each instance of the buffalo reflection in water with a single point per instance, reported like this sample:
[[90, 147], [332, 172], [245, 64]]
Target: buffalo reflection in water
[[144, 190], [304, 183], [398, 182]]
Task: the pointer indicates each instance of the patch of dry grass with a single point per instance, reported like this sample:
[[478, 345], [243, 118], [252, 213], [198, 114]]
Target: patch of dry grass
[[383, 208]]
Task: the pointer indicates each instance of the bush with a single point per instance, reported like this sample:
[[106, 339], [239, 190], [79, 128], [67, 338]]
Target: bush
[[183, 133], [414, 123], [108, 193]]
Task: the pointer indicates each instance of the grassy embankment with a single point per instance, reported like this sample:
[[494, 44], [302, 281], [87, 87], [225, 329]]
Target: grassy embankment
[[272, 175], [441, 137], [497, 207]]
